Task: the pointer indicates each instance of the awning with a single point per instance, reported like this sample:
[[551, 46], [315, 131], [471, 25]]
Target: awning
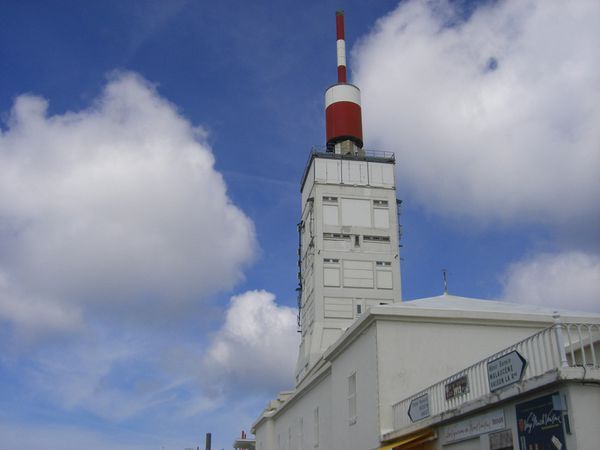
[[243, 443], [410, 440]]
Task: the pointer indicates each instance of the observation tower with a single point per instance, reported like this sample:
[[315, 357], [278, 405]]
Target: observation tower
[[348, 233]]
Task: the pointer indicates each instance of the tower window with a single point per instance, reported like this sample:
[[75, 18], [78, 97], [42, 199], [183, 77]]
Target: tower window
[[380, 203], [376, 238], [358, 309], [356, 240], [330, 213], [331, 272], [336, 236]]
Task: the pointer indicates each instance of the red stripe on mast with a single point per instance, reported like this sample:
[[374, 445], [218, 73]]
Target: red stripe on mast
[[339, 25]]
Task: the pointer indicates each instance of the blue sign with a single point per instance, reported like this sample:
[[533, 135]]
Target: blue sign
[[539, 425]]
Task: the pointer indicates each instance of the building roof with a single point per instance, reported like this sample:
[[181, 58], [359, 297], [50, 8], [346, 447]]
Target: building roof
[[455, 309], [454, 302]]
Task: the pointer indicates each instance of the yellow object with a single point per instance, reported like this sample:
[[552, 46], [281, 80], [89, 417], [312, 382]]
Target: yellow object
[[417, 438]]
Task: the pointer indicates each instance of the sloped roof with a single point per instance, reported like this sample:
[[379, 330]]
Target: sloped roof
[[457, 303]]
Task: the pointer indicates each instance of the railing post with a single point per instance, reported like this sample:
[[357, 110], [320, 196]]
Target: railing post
[[560, 341]]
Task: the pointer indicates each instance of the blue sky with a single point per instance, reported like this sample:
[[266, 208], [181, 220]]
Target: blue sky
[[150, 159]]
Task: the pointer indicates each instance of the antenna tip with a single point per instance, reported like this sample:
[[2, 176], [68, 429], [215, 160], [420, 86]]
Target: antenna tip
[[445, 273]]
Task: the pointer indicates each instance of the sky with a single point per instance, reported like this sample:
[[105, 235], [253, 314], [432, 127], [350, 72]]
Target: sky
[[150, 160]]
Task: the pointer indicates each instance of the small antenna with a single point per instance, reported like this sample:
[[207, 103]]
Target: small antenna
[[445, 272]]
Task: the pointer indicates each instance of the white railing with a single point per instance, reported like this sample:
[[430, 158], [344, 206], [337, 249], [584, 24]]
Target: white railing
[[561, 345], [582, 344]]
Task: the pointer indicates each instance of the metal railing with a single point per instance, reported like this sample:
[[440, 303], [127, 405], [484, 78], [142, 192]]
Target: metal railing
[[361, 154], [561, 345]]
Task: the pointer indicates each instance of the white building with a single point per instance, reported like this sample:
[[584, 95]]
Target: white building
[[360, 393], [439, 373]]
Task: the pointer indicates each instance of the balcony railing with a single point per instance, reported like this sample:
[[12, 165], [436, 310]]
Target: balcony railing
[[361, 154], [559, 346]]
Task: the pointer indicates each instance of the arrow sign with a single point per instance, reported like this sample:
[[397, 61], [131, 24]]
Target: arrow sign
[[419, 408], [506, 370]]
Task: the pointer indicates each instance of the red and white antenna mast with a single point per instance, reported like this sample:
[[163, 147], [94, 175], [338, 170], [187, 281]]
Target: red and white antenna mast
[[343, 117], [341, 46]]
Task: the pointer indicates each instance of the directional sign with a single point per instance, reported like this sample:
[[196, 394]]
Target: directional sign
[[506, 370], [419, 408]]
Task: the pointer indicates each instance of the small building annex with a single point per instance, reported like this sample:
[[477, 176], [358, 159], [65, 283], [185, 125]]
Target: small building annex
[[434, 354]]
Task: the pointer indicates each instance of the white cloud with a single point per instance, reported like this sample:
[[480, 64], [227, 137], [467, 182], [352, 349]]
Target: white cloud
[[569, 280], [115, 209], [36, 316], [493, 118], [256, 349]]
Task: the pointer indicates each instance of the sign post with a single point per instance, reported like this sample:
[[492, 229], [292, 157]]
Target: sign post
[[419, 408], [506, 370]]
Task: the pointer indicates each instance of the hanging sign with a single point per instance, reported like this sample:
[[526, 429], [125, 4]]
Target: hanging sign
[[506, 370], [457, 387], [419, 408]]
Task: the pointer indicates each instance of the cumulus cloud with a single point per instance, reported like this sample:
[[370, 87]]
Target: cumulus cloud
[[494, 117], [116, 208], [569, 280], [256, 348]]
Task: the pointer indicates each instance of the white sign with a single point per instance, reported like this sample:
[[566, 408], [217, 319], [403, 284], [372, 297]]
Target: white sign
[[419, 408], [506, 370], [474, 426]]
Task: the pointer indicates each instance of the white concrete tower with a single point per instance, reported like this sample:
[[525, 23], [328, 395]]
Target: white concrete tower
[[349, 234]]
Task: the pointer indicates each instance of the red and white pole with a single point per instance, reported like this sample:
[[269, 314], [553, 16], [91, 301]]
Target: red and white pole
[[343, 117], [341, 46]]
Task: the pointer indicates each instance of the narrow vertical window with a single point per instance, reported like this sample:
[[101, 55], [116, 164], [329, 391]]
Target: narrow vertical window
[[301, 434], [316, 427], [352, 399]]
